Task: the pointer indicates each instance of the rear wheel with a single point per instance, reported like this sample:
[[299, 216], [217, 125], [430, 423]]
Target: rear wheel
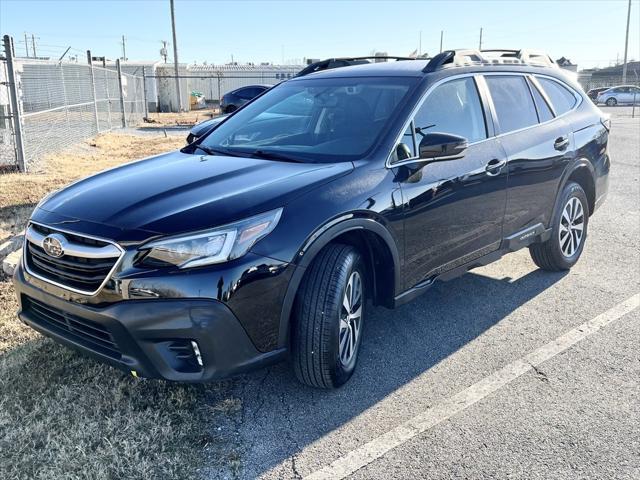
[[612, 102], [328, 318], [230, 109], [569, 232]]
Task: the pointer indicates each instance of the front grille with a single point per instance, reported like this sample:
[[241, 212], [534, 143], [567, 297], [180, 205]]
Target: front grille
[[87, 333], [82, 273]]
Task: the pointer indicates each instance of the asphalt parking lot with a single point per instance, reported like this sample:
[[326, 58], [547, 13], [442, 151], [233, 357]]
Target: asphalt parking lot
[[575, 415]]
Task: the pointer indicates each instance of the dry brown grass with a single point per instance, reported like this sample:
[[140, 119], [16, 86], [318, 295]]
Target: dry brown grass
[[184, 118], [65, 416]]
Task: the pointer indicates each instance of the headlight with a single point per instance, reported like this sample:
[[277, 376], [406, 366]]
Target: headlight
[[217, 245]]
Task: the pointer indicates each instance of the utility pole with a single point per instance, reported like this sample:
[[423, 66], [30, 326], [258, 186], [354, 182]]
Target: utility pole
[[626, 46], [33, 45], [175, 54], [480, 44], [420, 44], [441, 36], [124, 50], [26, 44]]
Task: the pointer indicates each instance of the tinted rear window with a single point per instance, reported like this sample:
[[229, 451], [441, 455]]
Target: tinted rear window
[[561, 97], [513, 103], [544, 112]]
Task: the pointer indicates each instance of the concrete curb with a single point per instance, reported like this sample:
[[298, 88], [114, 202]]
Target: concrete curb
[[11, 245], [10, 263]]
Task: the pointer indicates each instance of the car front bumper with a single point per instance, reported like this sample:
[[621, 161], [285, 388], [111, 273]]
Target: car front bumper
[[154, 338]]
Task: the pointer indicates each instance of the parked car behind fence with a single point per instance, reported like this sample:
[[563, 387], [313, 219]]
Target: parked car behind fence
[[622, 95]]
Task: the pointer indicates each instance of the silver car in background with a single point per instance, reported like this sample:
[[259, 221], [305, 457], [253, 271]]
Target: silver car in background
[[624, 94]]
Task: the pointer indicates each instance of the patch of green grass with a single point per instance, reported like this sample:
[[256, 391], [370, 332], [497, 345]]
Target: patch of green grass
[[63, 415]]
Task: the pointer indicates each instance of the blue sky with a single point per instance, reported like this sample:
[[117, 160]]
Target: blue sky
[[589, 32]]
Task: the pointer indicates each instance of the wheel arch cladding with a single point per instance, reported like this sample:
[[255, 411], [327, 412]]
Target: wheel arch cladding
[[378, 249], [584, 177]]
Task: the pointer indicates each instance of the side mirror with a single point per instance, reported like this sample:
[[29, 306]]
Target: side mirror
[[442, 146]]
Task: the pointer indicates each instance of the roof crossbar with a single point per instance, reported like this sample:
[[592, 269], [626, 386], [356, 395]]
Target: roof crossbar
[[528, 56], [459, 58], [466, 57]]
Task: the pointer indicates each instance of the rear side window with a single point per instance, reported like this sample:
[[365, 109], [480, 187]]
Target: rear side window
[[513, 103], [561, 97], [453, 107], [544, 112]]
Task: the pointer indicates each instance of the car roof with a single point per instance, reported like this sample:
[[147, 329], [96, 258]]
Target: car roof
[[415, 68]]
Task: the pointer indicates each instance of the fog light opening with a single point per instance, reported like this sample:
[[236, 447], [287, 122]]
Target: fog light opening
[[196, 352]]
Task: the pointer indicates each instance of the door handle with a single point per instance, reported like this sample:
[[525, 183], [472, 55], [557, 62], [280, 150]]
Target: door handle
[[494, 166], [561, 143]]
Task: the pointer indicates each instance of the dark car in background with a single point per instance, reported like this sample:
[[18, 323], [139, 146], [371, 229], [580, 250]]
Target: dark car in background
[[269, 238], [594, 92], [229, 103], [233, 100]]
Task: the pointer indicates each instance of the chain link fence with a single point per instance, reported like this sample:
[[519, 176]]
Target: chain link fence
[[57, 104], [7, 146]]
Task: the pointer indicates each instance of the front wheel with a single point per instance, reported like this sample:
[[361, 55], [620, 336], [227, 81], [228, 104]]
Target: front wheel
[[328, 318], [569, 232], [611, 102]]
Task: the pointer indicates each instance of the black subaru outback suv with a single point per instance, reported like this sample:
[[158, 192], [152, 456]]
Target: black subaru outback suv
[[269, 237]]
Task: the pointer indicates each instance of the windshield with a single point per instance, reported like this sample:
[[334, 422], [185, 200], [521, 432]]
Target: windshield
[[324, 120]]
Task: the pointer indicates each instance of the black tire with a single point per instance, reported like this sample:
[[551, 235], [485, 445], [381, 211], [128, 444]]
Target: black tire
[[549, 255], [317, 317], [611, 102], [230, 109]]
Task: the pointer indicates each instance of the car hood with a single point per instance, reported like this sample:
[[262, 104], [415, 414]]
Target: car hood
[[178, 192]]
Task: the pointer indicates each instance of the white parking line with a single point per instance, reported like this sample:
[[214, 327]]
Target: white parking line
[[376, 448]]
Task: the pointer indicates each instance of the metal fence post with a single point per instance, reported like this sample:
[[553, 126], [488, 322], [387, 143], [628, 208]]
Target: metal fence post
[[16, 113], [144, 92], [106, 89], [219, 92], [124, 114], [93, 90]]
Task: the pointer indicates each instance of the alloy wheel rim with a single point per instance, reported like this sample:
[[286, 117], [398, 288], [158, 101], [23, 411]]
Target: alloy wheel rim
[[571, 227], [350, 318]]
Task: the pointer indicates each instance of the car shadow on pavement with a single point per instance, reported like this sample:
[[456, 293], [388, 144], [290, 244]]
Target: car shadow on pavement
[[280, 416]]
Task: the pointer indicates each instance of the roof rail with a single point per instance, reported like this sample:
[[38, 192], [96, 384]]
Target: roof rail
[[330, 63], [466, 57]]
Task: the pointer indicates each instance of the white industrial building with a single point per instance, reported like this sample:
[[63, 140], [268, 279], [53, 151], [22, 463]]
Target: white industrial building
[[210, 81]]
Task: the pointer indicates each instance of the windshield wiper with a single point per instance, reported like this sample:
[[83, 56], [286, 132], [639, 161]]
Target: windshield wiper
[[216, 151], [274, 156]]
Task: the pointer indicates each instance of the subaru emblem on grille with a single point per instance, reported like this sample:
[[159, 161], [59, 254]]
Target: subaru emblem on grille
[[53, 245]]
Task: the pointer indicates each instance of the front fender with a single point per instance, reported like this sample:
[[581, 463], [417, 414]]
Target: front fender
[[316, 242]]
